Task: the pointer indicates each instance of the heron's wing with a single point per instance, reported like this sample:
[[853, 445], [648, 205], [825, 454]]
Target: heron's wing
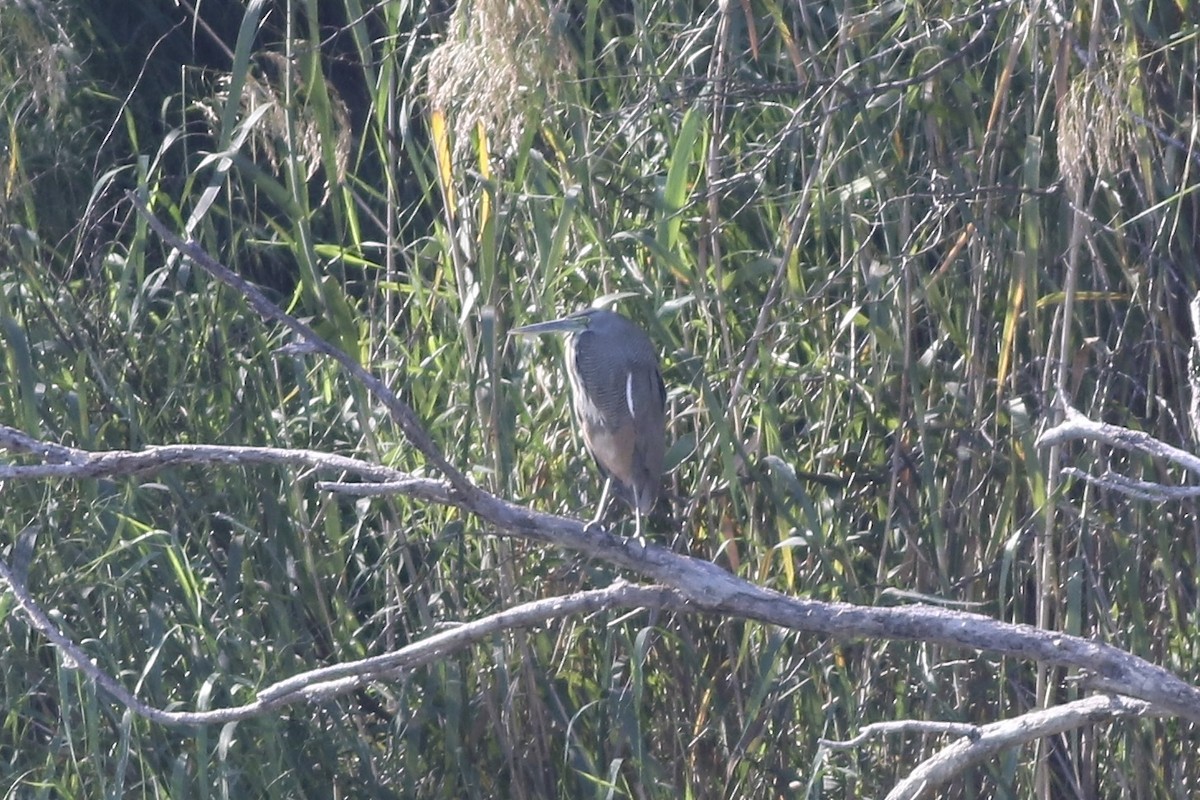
[[651, 442], [619, 401]]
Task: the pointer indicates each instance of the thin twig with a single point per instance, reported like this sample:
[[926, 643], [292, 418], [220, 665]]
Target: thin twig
[[903, 726]]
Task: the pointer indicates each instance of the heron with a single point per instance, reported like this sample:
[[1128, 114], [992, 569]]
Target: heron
[[619, 402]]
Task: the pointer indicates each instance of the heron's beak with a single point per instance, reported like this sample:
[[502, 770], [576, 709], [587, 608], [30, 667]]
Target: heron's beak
[[563, 325]]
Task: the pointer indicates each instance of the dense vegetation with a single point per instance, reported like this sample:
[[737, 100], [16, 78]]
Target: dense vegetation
[[874, 243]]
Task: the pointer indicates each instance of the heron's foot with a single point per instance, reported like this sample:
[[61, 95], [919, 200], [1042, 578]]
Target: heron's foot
[[594, 527]]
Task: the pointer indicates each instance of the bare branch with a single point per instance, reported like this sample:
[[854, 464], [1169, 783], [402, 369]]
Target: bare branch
[[966, 752], [72, 655], [341, 678], [903, 726], [1076, 426], [1132, 487], [400, 411], [69, 462], [703, 585], [327, 682]]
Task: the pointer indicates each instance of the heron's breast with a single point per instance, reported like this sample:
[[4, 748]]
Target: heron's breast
[[615, 449]]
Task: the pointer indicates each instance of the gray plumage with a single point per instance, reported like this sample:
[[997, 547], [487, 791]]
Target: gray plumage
[[619, 401]]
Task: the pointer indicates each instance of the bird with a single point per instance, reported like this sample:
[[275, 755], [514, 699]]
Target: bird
[[619, 402]]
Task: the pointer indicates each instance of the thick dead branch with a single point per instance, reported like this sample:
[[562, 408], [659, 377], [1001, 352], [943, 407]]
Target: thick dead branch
[[697, 585], [69, 462]]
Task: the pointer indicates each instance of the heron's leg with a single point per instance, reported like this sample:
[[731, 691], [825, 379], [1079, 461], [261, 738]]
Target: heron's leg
[[603, 504]]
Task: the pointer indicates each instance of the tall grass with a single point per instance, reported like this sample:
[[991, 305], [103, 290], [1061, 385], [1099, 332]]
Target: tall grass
[[846, 227]]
